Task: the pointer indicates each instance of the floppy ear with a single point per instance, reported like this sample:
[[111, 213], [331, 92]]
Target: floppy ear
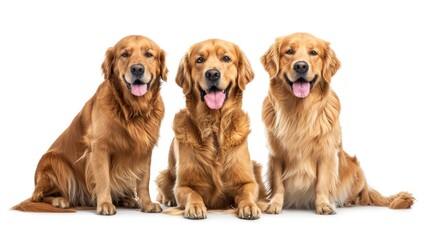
[[245, 71], [270, 60], [330, 63], [163, 66], [183, 76], [107, 65]]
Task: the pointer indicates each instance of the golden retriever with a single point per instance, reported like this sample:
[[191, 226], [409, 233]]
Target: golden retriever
[[308, 167], [103, 158], [209, 162]]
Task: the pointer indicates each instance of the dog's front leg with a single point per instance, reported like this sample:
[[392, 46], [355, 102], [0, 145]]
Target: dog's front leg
[[192, 202], [99, 166], [241, 175], [327, 177], [185, 190], [246, 201], [143, 188], [277, 195]]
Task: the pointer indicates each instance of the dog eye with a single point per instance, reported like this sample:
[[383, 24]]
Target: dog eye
[[226, 59], [313, 53], [125, 54], [148, 54], [290, 52], [199, 60]]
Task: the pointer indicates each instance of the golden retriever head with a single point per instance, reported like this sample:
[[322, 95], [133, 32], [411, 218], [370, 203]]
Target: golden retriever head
[[135, 64], [212, 71], [300, 62]]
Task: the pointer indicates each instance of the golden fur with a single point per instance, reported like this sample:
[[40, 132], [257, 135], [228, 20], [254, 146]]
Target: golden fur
[[308, 167], [209, 162], [103, 158]]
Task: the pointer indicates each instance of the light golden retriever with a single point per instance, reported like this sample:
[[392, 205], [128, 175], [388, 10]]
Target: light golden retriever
[[209, 162], [103, 158], [308, 167]]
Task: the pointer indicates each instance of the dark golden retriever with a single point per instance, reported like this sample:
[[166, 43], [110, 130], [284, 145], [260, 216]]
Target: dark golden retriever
[[103, 158], [308, 167], [209, 161]]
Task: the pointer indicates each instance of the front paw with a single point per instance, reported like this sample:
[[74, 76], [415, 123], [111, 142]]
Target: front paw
[[195, 211], [249, 211], [274, 208], [325, 209], [151, 208], [106, 208]]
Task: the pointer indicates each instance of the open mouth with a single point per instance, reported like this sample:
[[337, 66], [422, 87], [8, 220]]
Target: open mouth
[[214, 97], [301, 87], [138, 87]]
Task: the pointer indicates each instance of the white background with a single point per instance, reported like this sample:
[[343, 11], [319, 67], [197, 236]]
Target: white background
[[50, 58]]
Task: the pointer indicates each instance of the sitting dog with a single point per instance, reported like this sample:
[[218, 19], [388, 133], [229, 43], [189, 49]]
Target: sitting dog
[[209, 161], [308, 167], [103, 158]]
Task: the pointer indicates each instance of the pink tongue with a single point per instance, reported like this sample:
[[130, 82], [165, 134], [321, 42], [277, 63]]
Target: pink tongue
[[138, 89], [214, 99], [301, 89]]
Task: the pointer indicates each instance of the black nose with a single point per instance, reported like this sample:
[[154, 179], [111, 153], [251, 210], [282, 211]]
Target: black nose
[[300, 67], [212, 75], [137, 70]]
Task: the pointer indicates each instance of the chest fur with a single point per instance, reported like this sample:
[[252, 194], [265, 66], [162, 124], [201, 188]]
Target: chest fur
[[118, 134], [216, 136]]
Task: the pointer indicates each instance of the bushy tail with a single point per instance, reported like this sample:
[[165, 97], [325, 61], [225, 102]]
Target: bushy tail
[[175, 211], [401, 200], [29, 206]]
